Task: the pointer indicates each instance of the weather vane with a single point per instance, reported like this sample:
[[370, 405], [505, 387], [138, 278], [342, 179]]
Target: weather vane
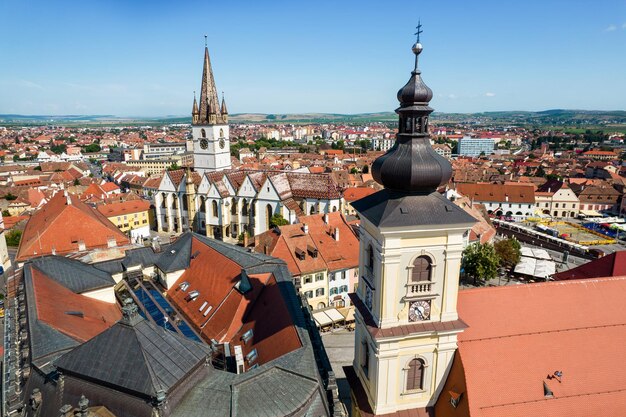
[[419, 30], [205, 36]]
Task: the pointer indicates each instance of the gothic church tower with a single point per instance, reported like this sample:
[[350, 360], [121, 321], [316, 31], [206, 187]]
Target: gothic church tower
[[210, 144], [411, 240]]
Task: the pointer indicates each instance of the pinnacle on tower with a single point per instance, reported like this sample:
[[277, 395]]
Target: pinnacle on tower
[[411, 166]]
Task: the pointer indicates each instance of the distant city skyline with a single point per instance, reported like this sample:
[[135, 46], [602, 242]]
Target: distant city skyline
[[145, 58]]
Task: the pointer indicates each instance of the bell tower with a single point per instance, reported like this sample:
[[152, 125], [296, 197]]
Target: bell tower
[[210, 138], [411, 240]]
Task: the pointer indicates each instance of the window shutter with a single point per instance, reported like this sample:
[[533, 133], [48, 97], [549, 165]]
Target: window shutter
[[414, 375]]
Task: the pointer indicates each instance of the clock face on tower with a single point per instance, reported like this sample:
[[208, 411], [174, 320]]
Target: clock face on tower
[[419, 310], [222, 143], [204, 143]]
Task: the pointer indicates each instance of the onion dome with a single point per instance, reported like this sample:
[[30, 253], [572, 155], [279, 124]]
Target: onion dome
[[412, 166]]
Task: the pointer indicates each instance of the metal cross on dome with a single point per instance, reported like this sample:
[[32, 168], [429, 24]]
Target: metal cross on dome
[[419, 30]]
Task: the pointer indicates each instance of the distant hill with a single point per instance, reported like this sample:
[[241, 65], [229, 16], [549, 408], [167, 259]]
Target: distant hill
[[554, 117]]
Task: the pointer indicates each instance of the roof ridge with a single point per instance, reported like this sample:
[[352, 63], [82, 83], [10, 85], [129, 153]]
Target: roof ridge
[[571, 329], [554, 398], [549, 283]]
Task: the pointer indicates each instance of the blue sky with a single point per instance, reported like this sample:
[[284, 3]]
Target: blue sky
[[144, 58]]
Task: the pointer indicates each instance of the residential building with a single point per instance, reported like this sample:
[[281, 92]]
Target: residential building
[[556, 199], [66, 225], [469, 146], [131, 217], [596, 198], [382, 144], [514, 200], [600, 155], [321, 253], [157, 166], [443, 150]]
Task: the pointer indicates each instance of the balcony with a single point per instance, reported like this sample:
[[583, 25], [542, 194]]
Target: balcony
[[419, 288]]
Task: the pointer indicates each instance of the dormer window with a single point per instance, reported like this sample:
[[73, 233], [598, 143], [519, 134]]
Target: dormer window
[[184, 285], [192, 295], [300, 254], [252, 356], [247, 336]]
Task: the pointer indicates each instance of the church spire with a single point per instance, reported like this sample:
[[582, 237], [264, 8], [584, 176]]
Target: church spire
[[412, 166], [209, 112], [223, 109], [194, 111]]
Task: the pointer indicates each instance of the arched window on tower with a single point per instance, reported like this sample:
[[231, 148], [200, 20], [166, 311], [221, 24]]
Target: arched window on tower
[[422, 269], [214, 207], [203, 133], [370, 257], [415, 375]]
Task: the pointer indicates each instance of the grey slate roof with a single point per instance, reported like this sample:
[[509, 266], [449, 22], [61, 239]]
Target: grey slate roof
[[46, 343], [73, 274], [274, 392], [173, 257], [387, 208], [138, 357]]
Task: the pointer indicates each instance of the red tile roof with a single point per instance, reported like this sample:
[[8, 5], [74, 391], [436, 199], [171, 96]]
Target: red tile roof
[[124, 208], [518, 335], [263, 308], [356, 193], [59, 226], [610, 265], [54, 301], [513, 193]]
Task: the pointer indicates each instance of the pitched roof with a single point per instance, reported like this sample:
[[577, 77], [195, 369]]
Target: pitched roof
[[74, 275], [135, 356], [51, 330], [509, 192], [215, 275], [386, 208], [123, 208], [611, 265], [577, 327], [61, 224]]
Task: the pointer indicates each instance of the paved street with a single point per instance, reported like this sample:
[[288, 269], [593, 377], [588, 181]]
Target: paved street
[[340, 350]]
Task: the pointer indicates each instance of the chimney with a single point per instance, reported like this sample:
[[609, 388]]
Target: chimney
[[68, 199], [305, 228], [337, 234], [326, 218]]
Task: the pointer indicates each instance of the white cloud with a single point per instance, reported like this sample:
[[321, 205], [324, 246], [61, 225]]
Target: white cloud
[[623, 25], [490, 94], [610, 28], [29, 84], [452, 96]]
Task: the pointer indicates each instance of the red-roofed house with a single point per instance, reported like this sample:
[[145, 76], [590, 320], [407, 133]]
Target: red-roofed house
[[65, 225]]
